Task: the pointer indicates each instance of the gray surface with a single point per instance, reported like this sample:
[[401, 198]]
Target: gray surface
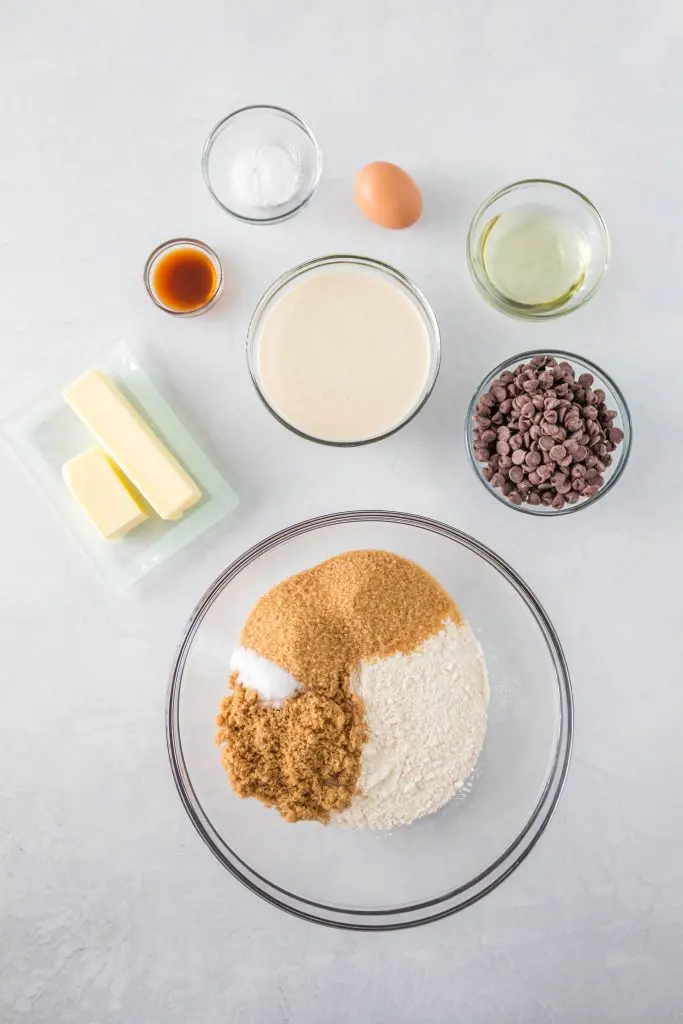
[[112, 910]]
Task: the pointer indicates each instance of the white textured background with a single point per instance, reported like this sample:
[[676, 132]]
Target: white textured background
[[112, 909]]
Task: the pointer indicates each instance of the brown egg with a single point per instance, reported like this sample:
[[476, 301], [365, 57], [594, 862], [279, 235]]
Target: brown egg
[[387, 195]]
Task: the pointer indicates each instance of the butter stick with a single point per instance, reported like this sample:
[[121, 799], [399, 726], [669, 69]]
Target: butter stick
[[103, 494], [132, 444]]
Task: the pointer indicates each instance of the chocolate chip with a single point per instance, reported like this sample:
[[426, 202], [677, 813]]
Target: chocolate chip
[[557, 452], [616, 435], [503, 448], [534, 498], [516, 474], [515, 497], [519, 455], [532, 459], [504, 461], [586, 379]]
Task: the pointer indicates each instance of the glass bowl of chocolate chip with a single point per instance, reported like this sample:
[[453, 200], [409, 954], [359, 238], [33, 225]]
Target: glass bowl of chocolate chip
[[548, 432]]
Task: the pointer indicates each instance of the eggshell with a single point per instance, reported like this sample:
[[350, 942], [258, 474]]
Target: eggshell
[[387, 195]]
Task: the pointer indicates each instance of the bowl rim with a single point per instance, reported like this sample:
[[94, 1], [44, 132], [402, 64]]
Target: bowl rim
[[189, 243], [517, 310], [342, 259], [289, 115], [616, 395], [429, 910]]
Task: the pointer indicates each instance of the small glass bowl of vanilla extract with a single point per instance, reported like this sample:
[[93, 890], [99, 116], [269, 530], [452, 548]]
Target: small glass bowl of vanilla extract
[[184, 277]]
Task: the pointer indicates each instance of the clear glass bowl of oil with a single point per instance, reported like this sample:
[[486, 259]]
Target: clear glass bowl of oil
[[537, 249]]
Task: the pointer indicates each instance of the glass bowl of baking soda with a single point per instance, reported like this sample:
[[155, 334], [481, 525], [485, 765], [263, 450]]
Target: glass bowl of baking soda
[[261, 164], [394, 856]]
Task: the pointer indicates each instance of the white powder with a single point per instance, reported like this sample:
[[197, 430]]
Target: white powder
[[267, 176], [426, 716], [273, 683]]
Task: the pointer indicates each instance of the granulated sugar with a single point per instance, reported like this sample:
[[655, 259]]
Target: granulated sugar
[[426, 717]]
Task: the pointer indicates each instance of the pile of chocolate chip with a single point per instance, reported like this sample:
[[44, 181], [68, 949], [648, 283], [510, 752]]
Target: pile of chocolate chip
[[544, 437]]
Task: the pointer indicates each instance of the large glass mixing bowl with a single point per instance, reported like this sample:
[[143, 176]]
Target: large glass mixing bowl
[[441, 863]]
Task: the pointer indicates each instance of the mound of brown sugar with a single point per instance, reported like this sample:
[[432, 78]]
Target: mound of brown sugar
[[304, 757]]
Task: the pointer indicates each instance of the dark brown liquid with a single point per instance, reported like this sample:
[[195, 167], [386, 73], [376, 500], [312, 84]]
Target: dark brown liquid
[[184, 280]]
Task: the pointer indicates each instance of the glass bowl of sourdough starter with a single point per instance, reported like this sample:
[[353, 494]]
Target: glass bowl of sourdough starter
[[375, 880], [343, 350], [537, 249]]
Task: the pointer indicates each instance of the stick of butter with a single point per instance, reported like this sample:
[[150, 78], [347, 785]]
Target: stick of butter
[[132, 444], [103, 494]]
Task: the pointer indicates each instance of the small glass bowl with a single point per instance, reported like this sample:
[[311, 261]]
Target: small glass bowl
[[411, 291], [250, 128], [614, 400], [182, 243], [562, 198]]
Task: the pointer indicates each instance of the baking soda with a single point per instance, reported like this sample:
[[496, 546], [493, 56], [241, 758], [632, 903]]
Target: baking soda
[[271, 682]]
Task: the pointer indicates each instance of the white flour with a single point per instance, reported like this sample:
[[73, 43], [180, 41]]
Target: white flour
[[426, 715]]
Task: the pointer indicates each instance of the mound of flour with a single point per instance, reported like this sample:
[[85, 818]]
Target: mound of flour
[[426, 716]]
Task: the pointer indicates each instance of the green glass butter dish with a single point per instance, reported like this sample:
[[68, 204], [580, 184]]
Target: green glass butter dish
[[47, 434]]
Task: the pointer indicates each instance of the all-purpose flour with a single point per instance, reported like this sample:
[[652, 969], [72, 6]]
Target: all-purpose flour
[[426, 715]]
